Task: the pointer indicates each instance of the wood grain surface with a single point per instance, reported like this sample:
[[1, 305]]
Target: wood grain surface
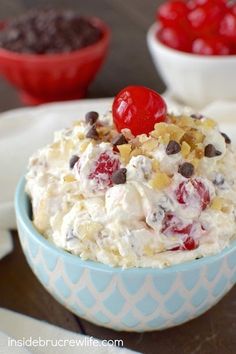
[[128, 63]]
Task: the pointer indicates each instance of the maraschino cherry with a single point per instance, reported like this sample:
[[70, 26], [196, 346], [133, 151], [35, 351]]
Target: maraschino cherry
[[138, 108]]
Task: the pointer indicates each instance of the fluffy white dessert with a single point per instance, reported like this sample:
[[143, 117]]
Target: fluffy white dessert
[[144, 201]]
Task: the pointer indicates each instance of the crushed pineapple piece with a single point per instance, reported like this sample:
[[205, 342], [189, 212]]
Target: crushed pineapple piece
[[193, 137], [103, 130], [78, 123], [199, 153], [142, 138], [84, 145], [217, 203], [136, 152], [78, 197], [185, 121], [69, 178], [148, 251], [80, 135], [149, 145], [220, 204], [41, 216], [89, 230], [185, 149], [159, 130], [167, 132], [54, 154], [56, 145], [165, 138], [195, 162], [125, 151], [155, 165], [160, 181], [208, 123], [66, 146], [176, 132]]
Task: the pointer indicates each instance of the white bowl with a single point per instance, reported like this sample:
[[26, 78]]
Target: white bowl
[[195, 79]]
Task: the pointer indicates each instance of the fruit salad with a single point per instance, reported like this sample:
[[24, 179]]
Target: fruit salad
[[136, 187], [204, 27]]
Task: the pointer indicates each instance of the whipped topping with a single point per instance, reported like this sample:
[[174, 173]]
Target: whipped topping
[[154, 216]]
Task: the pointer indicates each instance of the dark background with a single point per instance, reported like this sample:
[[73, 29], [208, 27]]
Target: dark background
[[128, 63]]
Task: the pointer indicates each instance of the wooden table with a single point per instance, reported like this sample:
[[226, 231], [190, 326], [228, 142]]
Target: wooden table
[[128, 63]]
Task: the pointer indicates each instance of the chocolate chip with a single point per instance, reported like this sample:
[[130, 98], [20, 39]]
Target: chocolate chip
[[119, 140], [218, 180], [92, 133], [70, 235], [197, 116], [91, 117], [157, 216], [227, 139], [211, 151], [186, 169], [172, 148], [48, 31], [73, 161], [119, 176]]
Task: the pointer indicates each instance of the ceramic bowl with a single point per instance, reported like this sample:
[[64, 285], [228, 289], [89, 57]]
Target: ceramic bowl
[[196, 80], [138, 299], [55, 77]]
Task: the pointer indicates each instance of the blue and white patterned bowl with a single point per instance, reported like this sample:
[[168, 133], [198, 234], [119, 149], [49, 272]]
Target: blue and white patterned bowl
[[138, 299]]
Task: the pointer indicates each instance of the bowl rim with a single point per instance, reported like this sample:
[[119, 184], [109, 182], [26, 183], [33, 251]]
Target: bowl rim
[[152, 39], [22, 204], [82, 52]]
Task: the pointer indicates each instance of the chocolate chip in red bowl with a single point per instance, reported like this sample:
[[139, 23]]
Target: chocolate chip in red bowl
[[186, 169], [91, 117], [119, 176], [173, 147], [119, 140], [48, 31], [211, 151], [60, 60]]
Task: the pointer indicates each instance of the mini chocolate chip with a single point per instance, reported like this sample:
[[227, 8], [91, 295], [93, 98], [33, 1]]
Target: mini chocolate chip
[[119, 140], [211, 151], [73, 161], [91, 117], [157, 216], [227, 139], [172, 148], [92, 133], [70, 235], [186, 169], [119, 176], [197, 116], [218, 180]]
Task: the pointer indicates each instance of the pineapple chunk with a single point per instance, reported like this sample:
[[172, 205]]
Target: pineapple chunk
[[155, 165], [160, 181], [125, 151], [185, 149], [149, 145]]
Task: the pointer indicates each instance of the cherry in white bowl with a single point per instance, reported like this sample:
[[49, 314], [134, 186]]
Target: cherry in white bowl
[[196, 80]]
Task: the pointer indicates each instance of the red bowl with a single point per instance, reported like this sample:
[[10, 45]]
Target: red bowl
[[55, 77]]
